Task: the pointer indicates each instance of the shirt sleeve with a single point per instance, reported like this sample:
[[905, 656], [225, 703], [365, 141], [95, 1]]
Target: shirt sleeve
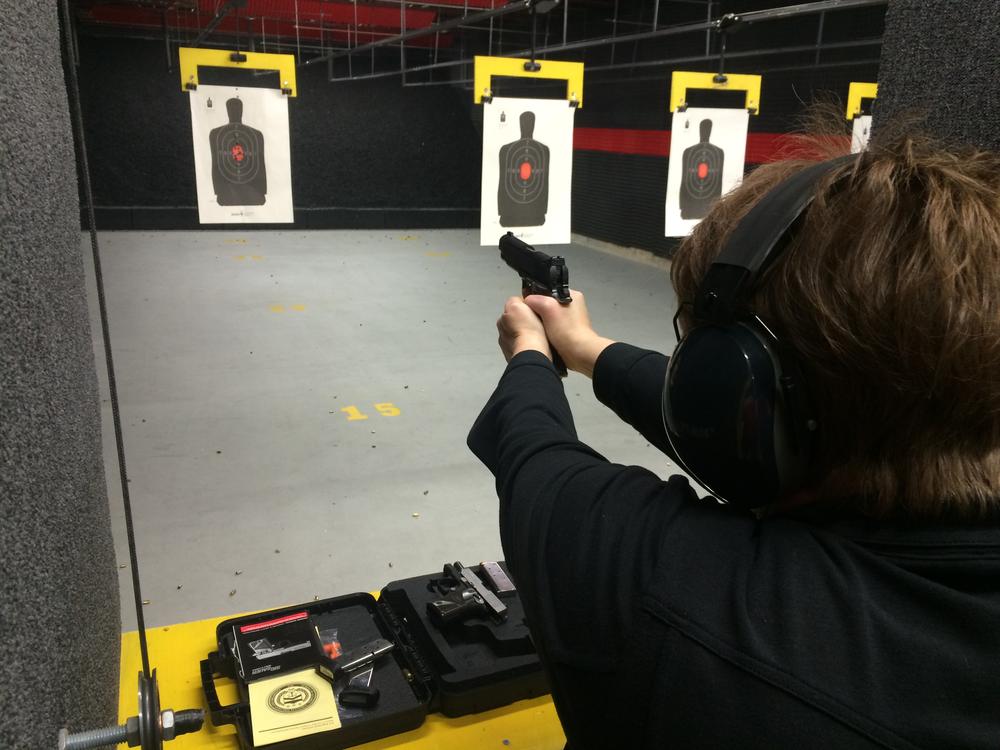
[[582, 536], [629, 381]]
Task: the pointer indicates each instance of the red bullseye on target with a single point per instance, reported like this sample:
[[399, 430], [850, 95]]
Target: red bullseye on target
[[702, 171], [237, 152], [525, 171]]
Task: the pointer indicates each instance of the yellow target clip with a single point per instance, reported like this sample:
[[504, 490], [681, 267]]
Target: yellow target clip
[[513, 67], [681, 81], [193, 57], [855, 94]]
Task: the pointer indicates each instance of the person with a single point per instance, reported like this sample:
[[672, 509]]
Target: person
[[861, 609]]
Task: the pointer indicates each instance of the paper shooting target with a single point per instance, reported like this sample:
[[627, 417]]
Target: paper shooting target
[[527, 170], [242, 161], [707, 154]]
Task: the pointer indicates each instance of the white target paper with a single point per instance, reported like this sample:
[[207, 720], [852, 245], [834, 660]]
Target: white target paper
[[527, 170], [859, 134], [707, 151], [241, 155]]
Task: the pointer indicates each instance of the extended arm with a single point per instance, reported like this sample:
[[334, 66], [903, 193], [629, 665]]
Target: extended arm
[[582, 536], [627, 379]]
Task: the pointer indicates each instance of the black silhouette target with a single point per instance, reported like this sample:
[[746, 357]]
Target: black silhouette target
[[523, 189], [525, 172], [238, 155], [239, 176], [701, 175], [703, 172]]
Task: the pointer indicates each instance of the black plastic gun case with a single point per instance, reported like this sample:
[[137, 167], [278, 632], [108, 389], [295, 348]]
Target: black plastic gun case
[[472, 664]]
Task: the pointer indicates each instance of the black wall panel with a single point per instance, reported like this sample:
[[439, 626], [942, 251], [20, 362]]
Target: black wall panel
[[619, 198], [366, 153]]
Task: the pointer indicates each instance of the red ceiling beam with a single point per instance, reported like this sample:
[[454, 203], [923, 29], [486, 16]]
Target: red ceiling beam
[[471, 4], [190, 23], [377, 16]]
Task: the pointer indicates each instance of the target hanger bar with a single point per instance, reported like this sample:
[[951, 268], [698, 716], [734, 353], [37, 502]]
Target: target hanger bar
[[699, 26], [466, 83], [644, 63], [789, 11], [855, 94], [193, 57], [751, 53], [515, 7], [511, 67], [681, 81]]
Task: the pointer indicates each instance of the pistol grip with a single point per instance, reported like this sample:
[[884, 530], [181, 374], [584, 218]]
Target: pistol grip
[[453, 608], [529, 287]]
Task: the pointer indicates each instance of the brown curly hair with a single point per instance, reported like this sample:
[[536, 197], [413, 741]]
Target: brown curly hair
[[889, 293]]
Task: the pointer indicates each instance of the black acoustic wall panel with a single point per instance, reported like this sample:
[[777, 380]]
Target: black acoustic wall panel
[[59, 615], [619, 198], [364, 154]]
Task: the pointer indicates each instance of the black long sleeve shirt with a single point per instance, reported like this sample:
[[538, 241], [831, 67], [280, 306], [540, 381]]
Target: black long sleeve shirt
[[667, 620]]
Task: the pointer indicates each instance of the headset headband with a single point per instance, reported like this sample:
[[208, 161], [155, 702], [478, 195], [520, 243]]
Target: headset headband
[[730, 280]]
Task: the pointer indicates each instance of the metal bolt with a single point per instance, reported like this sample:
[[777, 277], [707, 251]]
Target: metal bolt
[[149, 729], [94, 738], [172, 724]]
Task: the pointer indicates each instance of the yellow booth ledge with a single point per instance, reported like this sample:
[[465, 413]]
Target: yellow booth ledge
[[177, 650]]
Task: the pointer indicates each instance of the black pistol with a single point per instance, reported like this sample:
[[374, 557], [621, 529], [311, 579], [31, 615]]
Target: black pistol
[[540, 274], [469, 598]]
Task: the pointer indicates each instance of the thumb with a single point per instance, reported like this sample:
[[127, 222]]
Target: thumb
[[542, 305]]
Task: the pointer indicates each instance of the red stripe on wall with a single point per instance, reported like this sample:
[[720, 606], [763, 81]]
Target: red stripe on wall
[[765, 147], [761, 147], [619, 141]]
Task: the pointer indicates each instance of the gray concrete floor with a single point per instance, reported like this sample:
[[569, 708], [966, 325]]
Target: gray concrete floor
[[236, 352]]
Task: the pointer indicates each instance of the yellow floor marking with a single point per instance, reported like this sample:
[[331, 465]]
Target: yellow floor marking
[[353, 413], [257, 257], [435, 254], [277, 308], [233, 241], [240, 257], [298, 308], [177, 650]]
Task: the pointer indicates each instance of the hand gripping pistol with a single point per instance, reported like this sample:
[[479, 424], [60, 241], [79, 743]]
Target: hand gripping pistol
[[540, 274]]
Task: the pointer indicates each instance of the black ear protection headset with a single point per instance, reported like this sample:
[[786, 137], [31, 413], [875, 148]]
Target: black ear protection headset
[[734, 402]]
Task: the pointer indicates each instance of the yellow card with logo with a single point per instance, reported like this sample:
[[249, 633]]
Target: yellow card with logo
[[291, 705]]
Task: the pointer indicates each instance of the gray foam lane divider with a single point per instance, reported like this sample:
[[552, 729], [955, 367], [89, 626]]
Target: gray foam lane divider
[[59, 610]]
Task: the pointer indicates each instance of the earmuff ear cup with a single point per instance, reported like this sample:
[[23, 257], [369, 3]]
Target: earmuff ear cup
[[725, 416], [734, 402]]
